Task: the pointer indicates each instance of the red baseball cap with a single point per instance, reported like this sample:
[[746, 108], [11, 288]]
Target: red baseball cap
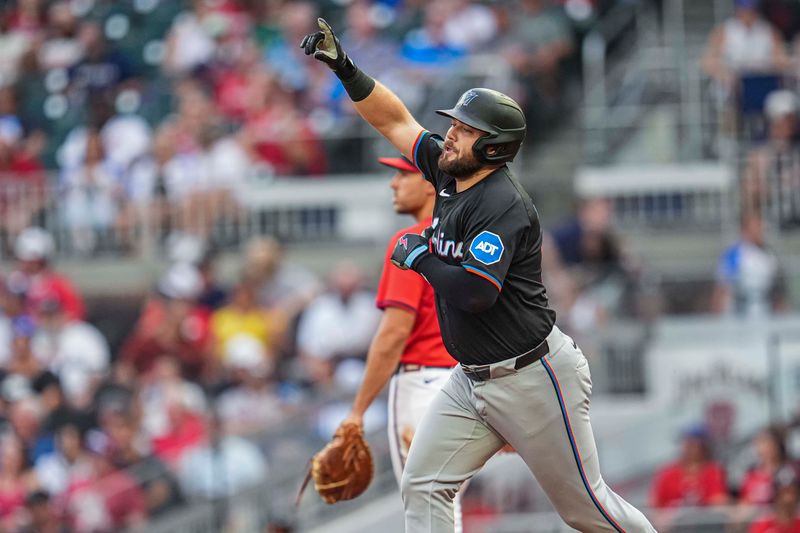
[[400, 163]]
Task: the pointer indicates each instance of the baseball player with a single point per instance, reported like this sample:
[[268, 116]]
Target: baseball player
[[520, 380], [408, 345]]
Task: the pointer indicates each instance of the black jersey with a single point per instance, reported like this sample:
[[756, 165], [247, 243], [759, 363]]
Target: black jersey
[[492, 230]]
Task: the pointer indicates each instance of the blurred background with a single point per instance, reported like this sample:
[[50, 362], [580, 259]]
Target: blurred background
[[192, 223]]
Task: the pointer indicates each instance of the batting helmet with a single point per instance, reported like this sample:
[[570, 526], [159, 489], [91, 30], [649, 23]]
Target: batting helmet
[[496, 114]]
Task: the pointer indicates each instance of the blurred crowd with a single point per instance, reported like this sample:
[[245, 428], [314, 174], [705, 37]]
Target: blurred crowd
[[758, 485], [752, 60], [100, 433], [156, 111]]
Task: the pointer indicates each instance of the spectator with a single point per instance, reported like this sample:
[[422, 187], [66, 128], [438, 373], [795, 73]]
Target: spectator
[[470, 25], [251, 403], [161, 490], [56, 470], [284, 57], [214, 294], [107, 499], [12, 302], [147, 187], [759, 483], [15, 480], [428, 46], [172, 324], [25, 418], [91, 195], [590, 275], [772, 176], [536, 45], [337, 325], [42, 517], [223, 467], [23, 362], [61, 48], [190, 42], [784, 517], [98, 74], [749, 279], [171, 407], [23, 190], [242, 316], [56, 412], [277, 133], [73, 350], [33, 250], [694, 480], [13, 45], [376, 54], [745, 43], [28, 17], [282, 285]]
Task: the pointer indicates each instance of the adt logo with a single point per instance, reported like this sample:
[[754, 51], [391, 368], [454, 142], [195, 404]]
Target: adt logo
[[487, 248]]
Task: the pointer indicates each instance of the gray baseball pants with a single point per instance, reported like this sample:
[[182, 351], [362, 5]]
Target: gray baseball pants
[[542, 410]]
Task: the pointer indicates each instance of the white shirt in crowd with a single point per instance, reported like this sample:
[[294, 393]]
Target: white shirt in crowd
[[748, 48], [77, 354], [331, 326]]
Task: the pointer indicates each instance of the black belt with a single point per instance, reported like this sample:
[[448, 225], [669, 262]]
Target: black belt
[[483, 372]]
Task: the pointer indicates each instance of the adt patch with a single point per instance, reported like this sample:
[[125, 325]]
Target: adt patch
[[487, 248]]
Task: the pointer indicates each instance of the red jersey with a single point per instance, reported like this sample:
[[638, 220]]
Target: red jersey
[[675, 486], [408, 290], [769, 524]]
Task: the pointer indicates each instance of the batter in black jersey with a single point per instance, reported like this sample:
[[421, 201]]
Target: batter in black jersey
[[520, 381], [491, 230]]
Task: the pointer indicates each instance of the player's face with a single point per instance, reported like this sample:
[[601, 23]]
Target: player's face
[[411, 192], [457, 158]]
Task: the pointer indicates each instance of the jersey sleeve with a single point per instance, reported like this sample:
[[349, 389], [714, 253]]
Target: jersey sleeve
[[426, 151], [491, 241], [399, 288]]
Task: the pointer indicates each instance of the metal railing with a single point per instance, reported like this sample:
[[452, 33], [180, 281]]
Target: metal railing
[[305, 210]]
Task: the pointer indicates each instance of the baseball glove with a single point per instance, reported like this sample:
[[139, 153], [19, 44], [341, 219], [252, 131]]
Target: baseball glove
[[343, 469]]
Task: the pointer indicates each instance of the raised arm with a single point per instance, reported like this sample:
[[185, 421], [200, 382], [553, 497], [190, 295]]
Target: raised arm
[[374, 102]]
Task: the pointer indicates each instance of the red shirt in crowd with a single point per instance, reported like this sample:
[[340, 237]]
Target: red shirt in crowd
[[769, 524], [150, 340], [405, 289], [105, 502], [676, 486], [187, 433], [50, 285], [757, 487]]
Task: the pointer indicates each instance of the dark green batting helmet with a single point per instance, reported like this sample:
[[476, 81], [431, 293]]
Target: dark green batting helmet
[[499, 116]]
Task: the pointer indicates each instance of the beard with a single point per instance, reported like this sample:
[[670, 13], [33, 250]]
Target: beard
[[460, 167]]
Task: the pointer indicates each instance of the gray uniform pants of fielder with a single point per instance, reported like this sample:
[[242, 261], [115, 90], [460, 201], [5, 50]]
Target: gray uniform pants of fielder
[[542, 410]]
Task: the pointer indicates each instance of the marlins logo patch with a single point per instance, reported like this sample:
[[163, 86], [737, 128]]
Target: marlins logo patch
[[466, 98], [487, 248]]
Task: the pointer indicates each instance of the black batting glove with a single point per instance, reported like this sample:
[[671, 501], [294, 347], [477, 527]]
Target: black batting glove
[[409, 251], [325, 47]]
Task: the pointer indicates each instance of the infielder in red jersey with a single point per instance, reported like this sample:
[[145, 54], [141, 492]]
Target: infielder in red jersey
[[407, 350]]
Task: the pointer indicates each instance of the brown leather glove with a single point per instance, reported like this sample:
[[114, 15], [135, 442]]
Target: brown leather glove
[[343, 469]]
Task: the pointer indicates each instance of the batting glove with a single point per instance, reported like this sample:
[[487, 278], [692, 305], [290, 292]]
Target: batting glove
[[325, 47], [409, 250]]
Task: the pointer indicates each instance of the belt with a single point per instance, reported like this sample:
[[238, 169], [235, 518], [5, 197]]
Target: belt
[[483, 372], [413, 367]]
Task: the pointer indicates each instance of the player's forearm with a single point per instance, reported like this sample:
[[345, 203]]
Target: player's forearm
[[460, 288], [385, 112], [382, 360]]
